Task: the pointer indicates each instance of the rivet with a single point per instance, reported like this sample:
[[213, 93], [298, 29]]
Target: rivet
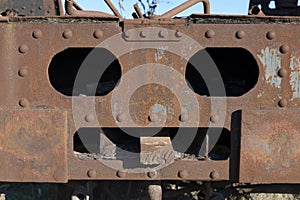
[[91, 173], [23, 102], [282, 72], [98, 34], [184, 117], [142, 34], [89, 118], [209, 34], [23, 72], [240, 34], [121, 117], [161, 34], [37, 34], [126, 35], [284, 48], [182, 174], [23, 48], [283, 103], [271, 35], [121, 174], [59, 175], [214, 175], [153, 117], [178, 34], [67, 34], [151, 174], [214, 118]]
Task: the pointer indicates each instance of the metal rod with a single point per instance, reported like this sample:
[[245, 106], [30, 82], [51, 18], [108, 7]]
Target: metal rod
[[113, 8], [77, 6], [138, 10]]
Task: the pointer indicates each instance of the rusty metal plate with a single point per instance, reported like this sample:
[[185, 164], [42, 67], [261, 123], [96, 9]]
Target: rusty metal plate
[[270, 150], [33, 145]]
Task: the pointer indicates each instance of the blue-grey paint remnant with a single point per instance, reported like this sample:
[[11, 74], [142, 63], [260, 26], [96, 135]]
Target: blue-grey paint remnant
[[271, 61], [295, 76]]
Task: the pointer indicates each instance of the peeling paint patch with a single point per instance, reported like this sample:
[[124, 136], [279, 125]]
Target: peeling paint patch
[[159, 53], [295, 76], [272, 62]]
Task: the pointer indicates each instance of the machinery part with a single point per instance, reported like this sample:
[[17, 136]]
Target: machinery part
[[70, 5], [138, 10], [113, 9], [282, 8], [33, 7], [185, 6], [155, 192]]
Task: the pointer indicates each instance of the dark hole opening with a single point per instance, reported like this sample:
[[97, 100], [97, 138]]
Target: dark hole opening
[[96, 71], [102, 143], [237, 67]]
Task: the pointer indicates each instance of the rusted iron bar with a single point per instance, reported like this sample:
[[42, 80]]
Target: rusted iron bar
[[113, 9], [185, 6], [138, 10], [70, 6], [77, 6]]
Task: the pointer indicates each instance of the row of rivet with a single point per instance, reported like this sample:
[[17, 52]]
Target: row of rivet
[[152, 118], [67, 34], [155, 118], [161, 34], [152, 174], [240, 34]]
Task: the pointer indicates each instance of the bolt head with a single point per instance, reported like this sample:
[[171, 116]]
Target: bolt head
[[271, 35], [142, 34], [209, 34], [283, 103], [59, 175], [240, 34], [184, 117], [282, 72], [23, 72], [182, 174], [24, 103], [121, 174], [23, 48], [89, 118], [178, 34], [214, 175], [153, 117], [214, 118], [92, 173], [284, 49], [121, 117], [37, 34], [98, 34], [162, 34], [67, 34], [151, 174]]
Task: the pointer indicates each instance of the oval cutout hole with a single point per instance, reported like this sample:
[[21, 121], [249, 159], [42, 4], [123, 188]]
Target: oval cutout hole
[[237, 67], [100, 71]]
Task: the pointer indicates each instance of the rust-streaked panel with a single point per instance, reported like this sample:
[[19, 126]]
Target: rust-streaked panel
[[33, 145], [270, 150]]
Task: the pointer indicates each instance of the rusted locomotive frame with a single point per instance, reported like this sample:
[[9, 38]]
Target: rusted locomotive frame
[[36, 120], [33, 8]]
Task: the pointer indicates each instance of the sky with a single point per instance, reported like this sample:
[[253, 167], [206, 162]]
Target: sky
[[239, 7]]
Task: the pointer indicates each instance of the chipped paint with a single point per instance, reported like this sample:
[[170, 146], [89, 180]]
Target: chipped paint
[[160, 52], [271, 61], [156, 108], [295, 76]]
